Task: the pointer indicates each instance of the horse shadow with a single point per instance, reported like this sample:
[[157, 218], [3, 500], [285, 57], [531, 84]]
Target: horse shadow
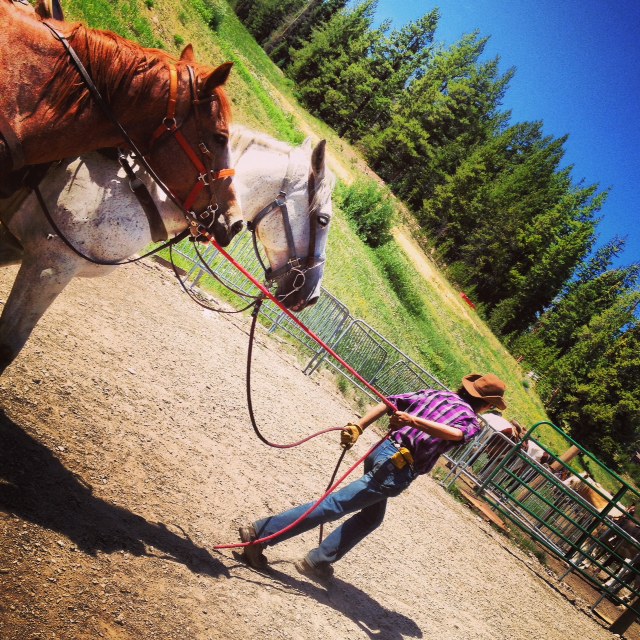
[[368, 614], [36, 487]]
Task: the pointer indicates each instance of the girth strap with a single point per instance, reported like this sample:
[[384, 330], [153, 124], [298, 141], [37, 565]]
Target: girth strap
[[156, 223], [13, 144]]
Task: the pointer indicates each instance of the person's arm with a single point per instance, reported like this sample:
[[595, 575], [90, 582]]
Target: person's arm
[[436, 429], [375, 413], [351, 432]]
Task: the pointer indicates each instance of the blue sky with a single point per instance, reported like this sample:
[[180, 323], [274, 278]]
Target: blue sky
[[578, 70]]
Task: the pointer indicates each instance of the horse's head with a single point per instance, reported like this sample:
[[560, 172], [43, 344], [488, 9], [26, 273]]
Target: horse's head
[[293, 228], [199, 170]]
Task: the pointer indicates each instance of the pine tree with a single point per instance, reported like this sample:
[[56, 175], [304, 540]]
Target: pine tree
[[510, 224], [262, 18], [595, 288], [331, 69], [297, 27], [549, 245], [597, 383], [445, 112], [395, 59]]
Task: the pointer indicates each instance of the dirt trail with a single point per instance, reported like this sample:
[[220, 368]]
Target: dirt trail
[[126, 454]]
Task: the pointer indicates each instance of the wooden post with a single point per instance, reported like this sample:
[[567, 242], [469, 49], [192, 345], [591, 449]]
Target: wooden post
[[567, 456], [625, 619]]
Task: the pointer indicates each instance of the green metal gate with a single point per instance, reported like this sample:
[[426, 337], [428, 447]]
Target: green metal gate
[[571, 515]]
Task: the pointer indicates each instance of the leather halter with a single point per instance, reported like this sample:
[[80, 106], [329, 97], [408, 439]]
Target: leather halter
[[294, 262], [206, 175], [204, 219]]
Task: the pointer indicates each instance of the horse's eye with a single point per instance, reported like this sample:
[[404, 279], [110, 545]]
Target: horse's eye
[[221, 139], [323, 220]]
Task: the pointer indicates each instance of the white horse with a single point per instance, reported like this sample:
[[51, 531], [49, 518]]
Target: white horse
[[284, 191]]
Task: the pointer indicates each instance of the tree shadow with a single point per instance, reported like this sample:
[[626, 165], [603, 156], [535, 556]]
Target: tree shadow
[[368, 614], [37, 487]]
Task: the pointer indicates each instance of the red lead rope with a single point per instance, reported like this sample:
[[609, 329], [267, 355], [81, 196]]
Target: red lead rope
[[308, 331], [329, 350], [313, 507]]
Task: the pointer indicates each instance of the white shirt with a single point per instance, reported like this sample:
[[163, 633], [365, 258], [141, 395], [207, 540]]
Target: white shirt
[[497, 423]]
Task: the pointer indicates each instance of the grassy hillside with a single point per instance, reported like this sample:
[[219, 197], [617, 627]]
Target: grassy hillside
[[444, 335]]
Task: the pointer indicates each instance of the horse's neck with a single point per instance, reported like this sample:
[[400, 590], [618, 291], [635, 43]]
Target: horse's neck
[[57, 102], [261, 172]]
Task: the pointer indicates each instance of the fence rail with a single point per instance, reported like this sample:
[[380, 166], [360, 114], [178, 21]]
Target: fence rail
[[571, 515]]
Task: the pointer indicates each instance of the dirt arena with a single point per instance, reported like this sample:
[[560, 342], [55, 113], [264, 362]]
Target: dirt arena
[[126, 454]]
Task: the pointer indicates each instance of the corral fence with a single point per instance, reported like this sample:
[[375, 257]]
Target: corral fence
[[569, 514], [575, 520], [376, 359]]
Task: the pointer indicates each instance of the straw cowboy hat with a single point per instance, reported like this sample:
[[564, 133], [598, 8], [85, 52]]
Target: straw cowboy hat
[[489, 388]]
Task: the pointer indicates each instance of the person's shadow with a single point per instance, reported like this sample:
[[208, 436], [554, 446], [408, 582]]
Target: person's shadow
[[368, 614], [37, 487]]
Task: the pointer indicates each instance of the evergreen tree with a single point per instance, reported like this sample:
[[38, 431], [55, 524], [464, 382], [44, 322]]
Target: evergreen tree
[[445, 112], [511, 225], [394, 60], [544, 255], [297, 27], [331, 69], [265, 16], [596, 385], [596, 288]]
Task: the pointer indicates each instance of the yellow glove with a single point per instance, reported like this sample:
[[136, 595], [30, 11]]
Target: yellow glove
[[349, 435]]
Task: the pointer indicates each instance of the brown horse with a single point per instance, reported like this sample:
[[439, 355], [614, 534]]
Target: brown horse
[[175, 111]]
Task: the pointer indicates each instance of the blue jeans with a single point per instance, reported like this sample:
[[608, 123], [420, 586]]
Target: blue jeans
[[368, 496]]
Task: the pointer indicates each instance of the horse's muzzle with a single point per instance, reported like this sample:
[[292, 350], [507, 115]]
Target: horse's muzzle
[[300, 289], [224, 230]]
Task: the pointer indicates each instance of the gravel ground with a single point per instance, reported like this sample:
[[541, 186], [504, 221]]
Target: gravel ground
[[126, 455]]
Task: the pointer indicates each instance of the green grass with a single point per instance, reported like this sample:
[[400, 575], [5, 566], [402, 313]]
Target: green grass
[[253, 76], [125, 17]]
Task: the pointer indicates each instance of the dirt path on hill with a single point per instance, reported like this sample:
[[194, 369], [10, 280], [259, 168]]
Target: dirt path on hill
[[126, 454]]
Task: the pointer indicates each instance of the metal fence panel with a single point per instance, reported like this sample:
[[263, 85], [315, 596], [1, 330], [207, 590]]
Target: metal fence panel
[[326, 319], [572, 517]]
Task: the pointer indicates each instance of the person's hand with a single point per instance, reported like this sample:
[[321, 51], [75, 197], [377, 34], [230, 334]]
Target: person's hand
[[349, 435], [400, 419]]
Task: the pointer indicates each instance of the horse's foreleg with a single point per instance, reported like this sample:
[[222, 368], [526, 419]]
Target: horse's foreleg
[[10, 249], [34, 290]]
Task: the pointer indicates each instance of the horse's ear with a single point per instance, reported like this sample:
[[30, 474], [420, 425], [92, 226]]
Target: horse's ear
[[42, 10], [187, 54], [317, 158], [217, 77], [49, 9]]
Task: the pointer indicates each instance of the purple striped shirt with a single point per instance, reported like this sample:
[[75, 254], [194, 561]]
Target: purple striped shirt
[[440, 406]]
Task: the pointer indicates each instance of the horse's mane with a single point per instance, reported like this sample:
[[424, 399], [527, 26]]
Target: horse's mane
[[242, 138], [113, 63]]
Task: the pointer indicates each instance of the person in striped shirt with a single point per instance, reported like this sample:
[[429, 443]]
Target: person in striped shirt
[[426, 424]]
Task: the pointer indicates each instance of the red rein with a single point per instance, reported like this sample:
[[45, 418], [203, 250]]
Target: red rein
[[308, 331]]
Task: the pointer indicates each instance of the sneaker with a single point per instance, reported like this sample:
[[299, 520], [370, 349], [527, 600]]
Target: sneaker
[[322, 571], [253, 554]]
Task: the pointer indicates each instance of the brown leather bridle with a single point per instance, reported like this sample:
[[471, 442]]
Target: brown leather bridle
[[206, 176]]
